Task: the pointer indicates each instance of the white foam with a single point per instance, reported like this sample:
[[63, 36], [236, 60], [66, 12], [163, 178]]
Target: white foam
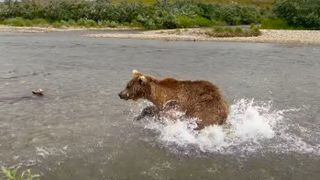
[[251, 127], [252, 122]]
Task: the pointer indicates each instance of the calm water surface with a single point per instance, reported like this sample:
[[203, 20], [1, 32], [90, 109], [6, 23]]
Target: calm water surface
[[80, 129]]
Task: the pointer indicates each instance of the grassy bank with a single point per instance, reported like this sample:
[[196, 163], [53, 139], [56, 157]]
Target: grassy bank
[[82, 23], [233, 32], [162, 14], [259, 3]]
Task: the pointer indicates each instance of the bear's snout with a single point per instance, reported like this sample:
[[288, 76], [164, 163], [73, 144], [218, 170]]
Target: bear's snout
[[124, 95]]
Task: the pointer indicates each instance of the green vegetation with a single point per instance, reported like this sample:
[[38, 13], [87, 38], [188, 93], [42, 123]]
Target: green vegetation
[[196, 21], [299, 14], [58, 24], [233, 32], [12, 174], [25, 22], [259, 3], [101, 13], [275, 23], [162, 14]]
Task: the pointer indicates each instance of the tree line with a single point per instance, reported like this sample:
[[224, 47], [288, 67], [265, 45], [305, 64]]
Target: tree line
[[161, 14]]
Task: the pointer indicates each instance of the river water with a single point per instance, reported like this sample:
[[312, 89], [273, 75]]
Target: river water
[[81, 130]]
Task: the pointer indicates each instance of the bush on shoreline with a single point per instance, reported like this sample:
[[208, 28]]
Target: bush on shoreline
[[234, 32], [161, 14], [94, 13], [299, 14], [275, 23], [87, 23]]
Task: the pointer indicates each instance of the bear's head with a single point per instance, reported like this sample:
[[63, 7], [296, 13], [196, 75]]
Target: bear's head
[[137, 88]]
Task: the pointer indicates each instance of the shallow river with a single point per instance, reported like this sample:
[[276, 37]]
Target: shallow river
[[80, 129]]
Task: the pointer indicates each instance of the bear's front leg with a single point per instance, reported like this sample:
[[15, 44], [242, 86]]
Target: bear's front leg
[[199, 127], [149, 111], [171, 105], [207, 119]]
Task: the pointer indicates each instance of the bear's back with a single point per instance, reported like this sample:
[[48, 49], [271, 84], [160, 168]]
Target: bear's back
[[198, 90], [200, 87]]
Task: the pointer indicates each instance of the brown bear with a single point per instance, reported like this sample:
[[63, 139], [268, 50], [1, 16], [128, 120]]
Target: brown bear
[[199, 99]]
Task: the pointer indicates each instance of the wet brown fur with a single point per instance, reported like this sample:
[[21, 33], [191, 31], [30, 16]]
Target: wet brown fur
[[200, 99]]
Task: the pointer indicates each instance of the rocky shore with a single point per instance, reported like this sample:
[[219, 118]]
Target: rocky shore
[[4, 28], [267, 36]]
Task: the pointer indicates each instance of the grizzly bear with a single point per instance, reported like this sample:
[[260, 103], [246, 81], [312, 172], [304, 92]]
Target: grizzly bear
[[198, 99]]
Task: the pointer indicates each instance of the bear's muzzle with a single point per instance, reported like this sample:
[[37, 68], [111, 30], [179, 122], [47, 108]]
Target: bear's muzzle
[[124, 95]]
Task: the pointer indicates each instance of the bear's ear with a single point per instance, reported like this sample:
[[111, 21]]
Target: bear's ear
[[142, 79], [136, 73]]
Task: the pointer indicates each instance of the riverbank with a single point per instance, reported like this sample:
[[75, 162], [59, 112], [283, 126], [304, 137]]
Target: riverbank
[[5, 28], [267, 36], [191, 34]]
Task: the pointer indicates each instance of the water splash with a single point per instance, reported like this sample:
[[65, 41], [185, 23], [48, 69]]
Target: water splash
[[252, 127]]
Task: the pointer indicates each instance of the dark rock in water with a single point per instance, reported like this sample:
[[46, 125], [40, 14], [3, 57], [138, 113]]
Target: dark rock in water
[[38, 92]]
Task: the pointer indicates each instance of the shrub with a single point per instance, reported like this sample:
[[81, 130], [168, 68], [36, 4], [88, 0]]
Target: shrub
[[238, 30], [169, 15], [17, 22], [39, 22], [211, 11], [86, 23], [197, 21], [127, 12], [146, 21], [254, 30], [106, 23], [299, 13], [67, 9], [150, 24], [25, 22], [231, 14], [12, 174], [250, 15], [72, 22], [233, 32], [56, 24], [169, 23], [275, 23]]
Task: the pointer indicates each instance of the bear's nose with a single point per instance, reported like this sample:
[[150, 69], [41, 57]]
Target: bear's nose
[[122, 95]]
